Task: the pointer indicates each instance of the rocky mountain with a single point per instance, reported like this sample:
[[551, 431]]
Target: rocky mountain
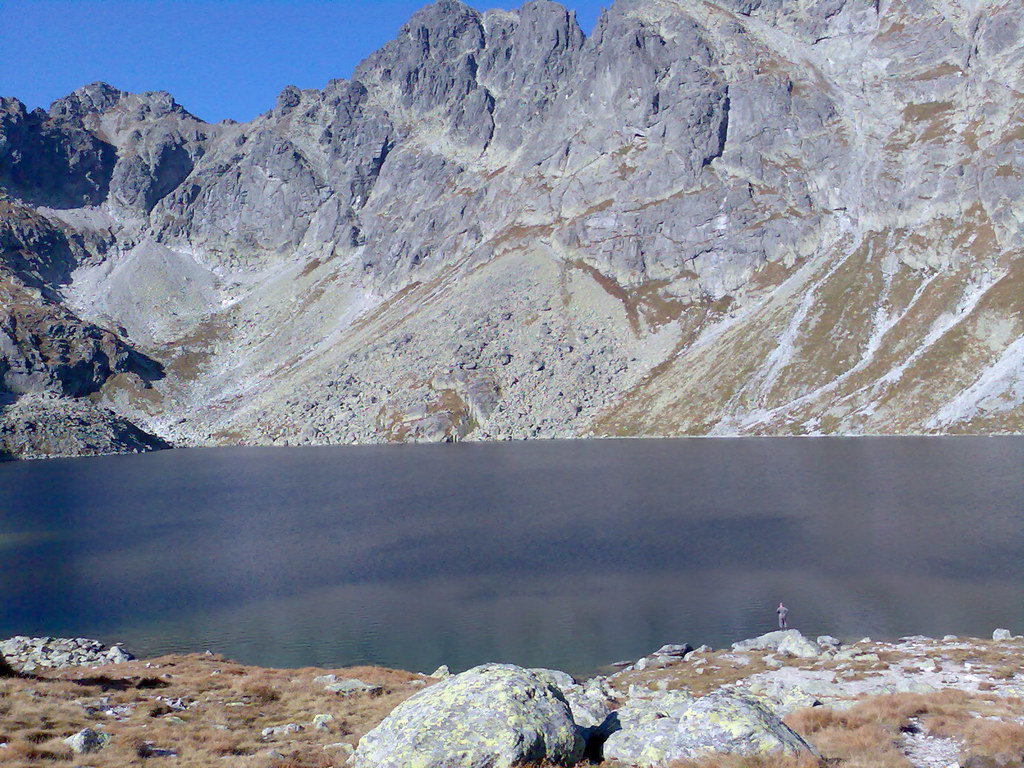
[[729, 217]]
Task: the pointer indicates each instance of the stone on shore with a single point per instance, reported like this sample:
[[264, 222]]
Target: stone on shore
[[827, 642], [27, 654], [561, 680], [785, 641], [1002, 634], [679, 729], [492, 716], [799, 646], [590, 702]]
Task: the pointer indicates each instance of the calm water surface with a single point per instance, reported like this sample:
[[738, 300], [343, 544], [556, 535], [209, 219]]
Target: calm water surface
[[562, 554]]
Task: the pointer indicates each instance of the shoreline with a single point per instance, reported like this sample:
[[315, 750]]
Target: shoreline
[[32, 457], [935, 696]]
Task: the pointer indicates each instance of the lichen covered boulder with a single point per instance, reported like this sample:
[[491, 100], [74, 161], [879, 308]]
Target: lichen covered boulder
[[87, 740], [492, 716], [799, 646], [719, 723]]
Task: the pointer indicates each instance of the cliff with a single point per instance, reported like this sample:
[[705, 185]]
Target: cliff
[[706, 218]]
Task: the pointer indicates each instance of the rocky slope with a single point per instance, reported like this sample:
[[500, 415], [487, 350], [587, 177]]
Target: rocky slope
[[781, 700], [730, 217]]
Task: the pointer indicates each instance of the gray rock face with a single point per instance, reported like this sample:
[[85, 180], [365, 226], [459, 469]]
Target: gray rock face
[[52, 160], [735, 217], [44, 427], [690, 729], [496, 715]]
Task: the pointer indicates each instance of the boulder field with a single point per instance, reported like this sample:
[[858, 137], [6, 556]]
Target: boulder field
[[781, 699]]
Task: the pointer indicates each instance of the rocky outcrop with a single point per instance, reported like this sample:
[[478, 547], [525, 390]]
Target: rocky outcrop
[[682, 729], [493, 716], [49, 160], [723, 218], [28, 654], [35, 427], [788, 642]]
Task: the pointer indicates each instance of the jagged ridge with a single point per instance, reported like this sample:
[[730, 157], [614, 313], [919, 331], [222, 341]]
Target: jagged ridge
[[706, 218]]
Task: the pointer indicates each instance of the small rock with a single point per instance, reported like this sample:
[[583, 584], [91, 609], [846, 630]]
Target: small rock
[[441, 672], [322, 722], [276, 731], [353, 686], [118, 655], [325, 679], [87, 740], [150, 750], [1002, 634], [674, 649]]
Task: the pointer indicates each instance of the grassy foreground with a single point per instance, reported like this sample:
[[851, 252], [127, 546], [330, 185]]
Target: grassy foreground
[[211, 712]]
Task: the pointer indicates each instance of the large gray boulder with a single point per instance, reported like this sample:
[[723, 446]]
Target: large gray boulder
[[657, 733], [800, 646], [492, 716], [786, 641]]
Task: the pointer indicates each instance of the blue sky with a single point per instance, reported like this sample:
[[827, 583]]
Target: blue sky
[[219, 58]]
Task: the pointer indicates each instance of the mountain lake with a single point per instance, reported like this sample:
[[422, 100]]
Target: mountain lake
[[565, 554]]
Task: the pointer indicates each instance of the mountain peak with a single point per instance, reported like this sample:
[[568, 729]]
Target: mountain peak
[[94, 97]]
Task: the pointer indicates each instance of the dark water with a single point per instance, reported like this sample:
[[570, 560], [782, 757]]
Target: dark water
[[562, 554]]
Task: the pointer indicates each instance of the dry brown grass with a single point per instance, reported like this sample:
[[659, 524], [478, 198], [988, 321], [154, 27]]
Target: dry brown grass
[[852, 738], [228, 705], [868, 733]]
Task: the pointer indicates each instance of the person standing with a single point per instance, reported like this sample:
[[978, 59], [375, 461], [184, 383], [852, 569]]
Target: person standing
[[783, 612]]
